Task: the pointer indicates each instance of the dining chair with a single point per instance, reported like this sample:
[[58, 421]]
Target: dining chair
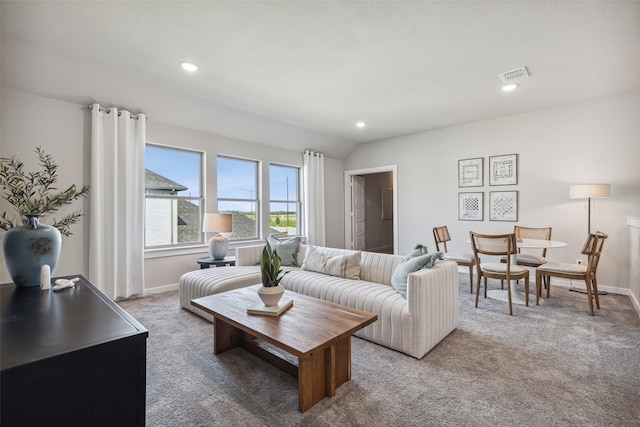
[[528, 259], [541, 233], [593, 249], [498, 245], [441, 236]]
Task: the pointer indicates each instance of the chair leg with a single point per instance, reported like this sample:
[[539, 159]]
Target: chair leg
[[594, 285], [485, 287], [478, 290], [587, 281], [548, 285], [510, 305], [538, 287], [526, 291], [501, 284], [471, 279]]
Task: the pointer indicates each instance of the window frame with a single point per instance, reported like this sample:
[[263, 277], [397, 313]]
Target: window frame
[[200, 198], [297, 201], [255, 199]]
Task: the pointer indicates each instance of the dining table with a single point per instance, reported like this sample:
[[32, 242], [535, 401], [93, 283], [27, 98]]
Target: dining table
[[518, 297]]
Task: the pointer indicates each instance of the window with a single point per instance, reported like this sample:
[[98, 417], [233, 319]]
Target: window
[[284, 206], [238, 195], [173, 197]]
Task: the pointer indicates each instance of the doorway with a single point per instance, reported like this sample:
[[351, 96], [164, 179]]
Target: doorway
[[371, 209]]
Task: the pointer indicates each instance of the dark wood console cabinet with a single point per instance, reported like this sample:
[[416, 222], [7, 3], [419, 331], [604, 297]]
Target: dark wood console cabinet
[[70, 358]]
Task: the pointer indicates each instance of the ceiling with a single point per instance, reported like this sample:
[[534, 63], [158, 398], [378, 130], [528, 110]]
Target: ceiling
[[302, 73]]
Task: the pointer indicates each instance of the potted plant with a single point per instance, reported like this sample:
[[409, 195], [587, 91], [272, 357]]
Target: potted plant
[[271, 290], [28, 245]]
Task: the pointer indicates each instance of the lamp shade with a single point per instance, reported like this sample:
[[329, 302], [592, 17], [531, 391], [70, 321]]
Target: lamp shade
[[216, 223], [585, 191]]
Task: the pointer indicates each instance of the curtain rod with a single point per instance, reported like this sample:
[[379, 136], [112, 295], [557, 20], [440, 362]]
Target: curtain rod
[[108, 111]]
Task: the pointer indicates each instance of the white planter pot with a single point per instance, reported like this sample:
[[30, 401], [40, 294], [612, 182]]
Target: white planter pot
[[270, 296]]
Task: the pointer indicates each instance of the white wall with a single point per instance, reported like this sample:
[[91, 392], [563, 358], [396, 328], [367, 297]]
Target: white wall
[[591, 142], [63, 130]]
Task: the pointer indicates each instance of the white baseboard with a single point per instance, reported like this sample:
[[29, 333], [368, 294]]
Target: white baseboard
[[161, 289]]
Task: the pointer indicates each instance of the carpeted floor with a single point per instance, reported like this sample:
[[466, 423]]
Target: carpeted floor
[[547, 365]]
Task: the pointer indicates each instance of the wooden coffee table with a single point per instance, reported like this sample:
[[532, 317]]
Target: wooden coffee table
[[315, 334]]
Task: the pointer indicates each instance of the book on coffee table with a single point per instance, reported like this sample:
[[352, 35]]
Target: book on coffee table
[[275, 310]]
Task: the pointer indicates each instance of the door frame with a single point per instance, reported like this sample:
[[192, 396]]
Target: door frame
[[347, 201]]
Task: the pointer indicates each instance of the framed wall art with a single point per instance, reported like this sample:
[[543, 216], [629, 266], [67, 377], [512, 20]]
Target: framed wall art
[[503, 170], [503, 206], [470, 206], [471, 172]]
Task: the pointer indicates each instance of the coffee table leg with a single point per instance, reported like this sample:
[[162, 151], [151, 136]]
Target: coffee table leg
[[225, 336], [320, 373], [311, 379], [342, 362]]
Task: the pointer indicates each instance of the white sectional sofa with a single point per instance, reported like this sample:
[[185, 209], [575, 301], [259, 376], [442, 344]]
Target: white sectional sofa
[[412, 325]]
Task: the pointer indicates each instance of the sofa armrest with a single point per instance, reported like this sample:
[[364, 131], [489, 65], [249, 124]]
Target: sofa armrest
[[429, 284], [248, 255]]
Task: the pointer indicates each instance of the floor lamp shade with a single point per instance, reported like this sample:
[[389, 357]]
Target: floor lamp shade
[[585, 191], [589, 191], [217, 223]]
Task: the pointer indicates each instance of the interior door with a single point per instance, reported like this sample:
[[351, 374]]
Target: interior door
[[358, 219]]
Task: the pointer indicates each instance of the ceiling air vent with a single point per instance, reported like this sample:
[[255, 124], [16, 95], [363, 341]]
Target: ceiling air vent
[[514, 75]]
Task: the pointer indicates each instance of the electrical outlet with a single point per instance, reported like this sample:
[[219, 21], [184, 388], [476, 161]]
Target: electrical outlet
[[579, 261]]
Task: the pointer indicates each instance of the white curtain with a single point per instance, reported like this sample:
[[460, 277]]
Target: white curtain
[[313, 197], [116, 248]]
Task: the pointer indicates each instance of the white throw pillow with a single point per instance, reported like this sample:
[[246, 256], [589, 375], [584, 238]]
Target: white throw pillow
[[347, 266]]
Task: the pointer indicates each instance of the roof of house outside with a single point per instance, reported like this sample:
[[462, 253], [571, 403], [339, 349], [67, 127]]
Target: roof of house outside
[[154, 181]]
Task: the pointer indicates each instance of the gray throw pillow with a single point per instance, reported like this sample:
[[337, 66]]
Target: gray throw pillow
[[287, 249], [419, 249], [410, 265]]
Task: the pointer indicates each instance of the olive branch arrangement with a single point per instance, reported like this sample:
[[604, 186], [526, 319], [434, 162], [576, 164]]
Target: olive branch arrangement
[[35, 192]]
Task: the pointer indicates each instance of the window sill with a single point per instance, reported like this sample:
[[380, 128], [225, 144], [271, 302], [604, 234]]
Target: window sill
[[170, 252]]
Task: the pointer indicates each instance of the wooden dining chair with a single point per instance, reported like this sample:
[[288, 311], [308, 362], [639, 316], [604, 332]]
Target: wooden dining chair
[[528, 259], [441, 236], [593, 249], [542, 233], [498, 245]]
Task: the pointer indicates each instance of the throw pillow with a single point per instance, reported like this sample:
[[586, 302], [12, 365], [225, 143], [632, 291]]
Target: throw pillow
[[287, 249], [347, 266], [419, 249], [410, 265]]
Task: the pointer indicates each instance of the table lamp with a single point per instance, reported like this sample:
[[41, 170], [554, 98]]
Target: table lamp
[[217, 223], [589, 191]]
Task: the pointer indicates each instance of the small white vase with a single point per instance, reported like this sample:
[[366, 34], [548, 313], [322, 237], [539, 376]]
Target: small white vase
[[270, 296]]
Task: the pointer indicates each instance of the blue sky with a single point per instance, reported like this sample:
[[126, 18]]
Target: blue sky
[[180, 166]]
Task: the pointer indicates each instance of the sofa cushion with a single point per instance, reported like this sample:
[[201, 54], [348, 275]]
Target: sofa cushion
[[287, 249], [409, 265], [347, 266]]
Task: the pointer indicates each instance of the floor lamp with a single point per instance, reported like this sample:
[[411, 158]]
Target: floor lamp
[[589, 191]]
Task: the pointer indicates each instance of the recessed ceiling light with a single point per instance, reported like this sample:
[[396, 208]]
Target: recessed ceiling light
[[361, 124], [189, 66], [509, 87]]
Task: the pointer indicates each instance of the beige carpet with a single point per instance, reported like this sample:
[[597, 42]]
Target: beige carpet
[[548, 365]]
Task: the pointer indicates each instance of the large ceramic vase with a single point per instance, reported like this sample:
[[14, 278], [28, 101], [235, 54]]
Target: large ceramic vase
[[28, 247], [271, 295]]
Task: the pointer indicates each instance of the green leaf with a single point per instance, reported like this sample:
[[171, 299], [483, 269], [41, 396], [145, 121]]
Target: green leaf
[[34, 192]]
